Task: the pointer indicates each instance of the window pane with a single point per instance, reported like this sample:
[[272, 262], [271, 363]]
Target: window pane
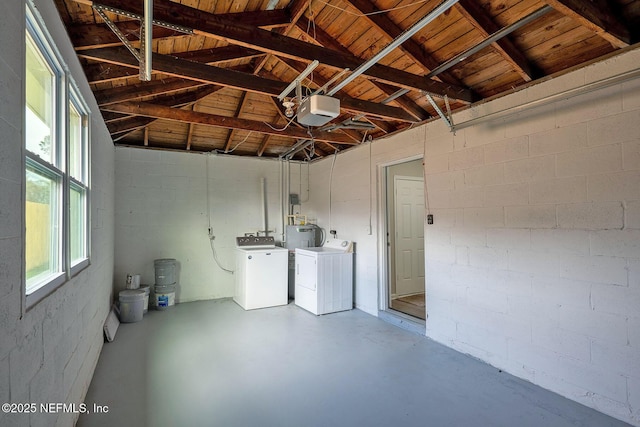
[[77, 224], [40, 106], [42, 241], [75, 143]]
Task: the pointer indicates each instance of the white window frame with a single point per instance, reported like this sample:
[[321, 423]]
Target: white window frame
[[65, 93]]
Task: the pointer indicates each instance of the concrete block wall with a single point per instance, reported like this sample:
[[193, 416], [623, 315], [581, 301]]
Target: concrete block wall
[[532, 263], [161, 212], [48, 352]]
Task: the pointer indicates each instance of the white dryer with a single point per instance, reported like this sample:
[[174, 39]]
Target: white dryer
[[324, 277], [261, 273]]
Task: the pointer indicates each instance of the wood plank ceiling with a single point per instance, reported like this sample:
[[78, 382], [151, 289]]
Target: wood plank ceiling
[[215, 88]]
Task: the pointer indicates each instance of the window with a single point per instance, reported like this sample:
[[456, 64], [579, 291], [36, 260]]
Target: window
[[56, 167]]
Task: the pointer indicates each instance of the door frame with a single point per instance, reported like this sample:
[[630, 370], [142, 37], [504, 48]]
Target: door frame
[[383, 229]]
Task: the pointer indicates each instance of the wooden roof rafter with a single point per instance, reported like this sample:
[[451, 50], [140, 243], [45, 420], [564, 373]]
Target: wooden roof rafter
[[215, 75], [161, 112], [596, 15], [212, 25], [477, 17]]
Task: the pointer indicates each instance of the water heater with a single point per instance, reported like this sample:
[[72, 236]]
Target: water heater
[[301, 236]]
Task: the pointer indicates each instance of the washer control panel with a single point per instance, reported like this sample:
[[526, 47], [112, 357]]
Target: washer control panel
[[256, 242]]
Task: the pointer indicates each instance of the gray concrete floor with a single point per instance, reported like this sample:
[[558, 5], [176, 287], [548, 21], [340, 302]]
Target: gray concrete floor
[[210, 363]]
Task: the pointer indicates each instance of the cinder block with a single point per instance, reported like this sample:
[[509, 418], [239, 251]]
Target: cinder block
[[551, 335], [541, 216], [440, 328], [462, 255], [591, 216], [611, 328], [467, 158], [10, 154], [503, 151], [631, 98], [484, 133], [530, 169], [11, 84], [631, 155], [436, 163], [599, 269], [25, 361], [467, 236], [445, 254], [473, 337], [446, 218], [560, 241], [614, 186], [610, 129], [632, 215], [621, 243], [542, 264], [10, 223], [506, 195], [484, 175], [615, 299], [634, 332], [634, 274], [484, 217], [4, 380], [551, 292], [10, 266], [561, 190], [493, 302], [466, 198], [509, 238], [601, 159], [44, 383], [633, 386], [439, 181], [530, 121], [558, 140], [586, 108], [489, 258], [438, 144]]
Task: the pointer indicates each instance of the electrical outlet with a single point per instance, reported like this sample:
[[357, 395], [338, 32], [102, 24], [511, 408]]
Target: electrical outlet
[[430, 219]]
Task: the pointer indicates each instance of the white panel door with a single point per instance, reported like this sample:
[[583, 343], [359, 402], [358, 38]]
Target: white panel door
[[409, 235]]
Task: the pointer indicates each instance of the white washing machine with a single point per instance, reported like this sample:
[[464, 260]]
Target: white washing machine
[[261, 273], [324, 277]]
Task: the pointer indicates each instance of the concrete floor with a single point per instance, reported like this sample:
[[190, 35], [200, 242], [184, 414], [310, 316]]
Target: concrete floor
[[210, 363]]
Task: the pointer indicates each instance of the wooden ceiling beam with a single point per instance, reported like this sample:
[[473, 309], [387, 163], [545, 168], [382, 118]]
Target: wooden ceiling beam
[[411, 48], [230, 134], [91, 36], [296, 10], [327, 41], [174, 114], [143, 90], [263, 145], [477, 17], [134, 122], [597, 17], [102, 72], [210, 74], [211, 25]]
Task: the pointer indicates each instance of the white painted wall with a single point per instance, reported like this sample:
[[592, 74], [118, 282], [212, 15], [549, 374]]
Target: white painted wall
[[48, 354], [533, 261], [161, 212]]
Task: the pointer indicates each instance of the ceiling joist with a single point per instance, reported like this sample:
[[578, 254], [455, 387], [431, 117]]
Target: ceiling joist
[[161, 112], [215, 75], [211, 25]]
